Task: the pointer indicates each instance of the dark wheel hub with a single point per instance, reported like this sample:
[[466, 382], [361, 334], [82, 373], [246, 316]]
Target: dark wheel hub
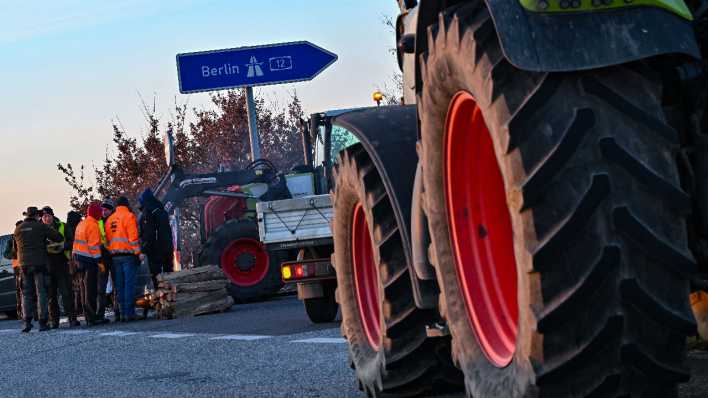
[[245, 262]]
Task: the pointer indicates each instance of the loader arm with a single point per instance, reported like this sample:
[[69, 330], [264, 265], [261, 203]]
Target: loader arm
[[176, 186]]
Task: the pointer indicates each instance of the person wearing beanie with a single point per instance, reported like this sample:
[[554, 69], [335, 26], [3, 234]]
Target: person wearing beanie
[[108, 203], [87, 252], [106, 268], [31, 238], [123, 201], [124, 248], [155, 235]]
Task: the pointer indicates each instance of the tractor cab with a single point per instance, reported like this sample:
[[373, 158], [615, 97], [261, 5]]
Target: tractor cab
[[322, 141]]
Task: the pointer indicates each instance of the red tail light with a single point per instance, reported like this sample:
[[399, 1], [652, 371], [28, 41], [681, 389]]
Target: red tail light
[[296, 271]]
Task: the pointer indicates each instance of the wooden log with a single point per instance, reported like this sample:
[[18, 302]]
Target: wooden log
[[192, 271], [205, 286], [193, 274], [201, 277], [187, 306], [168, 296], [218, 305], [192, 299]]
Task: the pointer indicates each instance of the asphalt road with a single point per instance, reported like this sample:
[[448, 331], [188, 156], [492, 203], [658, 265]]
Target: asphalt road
[[265, 349]]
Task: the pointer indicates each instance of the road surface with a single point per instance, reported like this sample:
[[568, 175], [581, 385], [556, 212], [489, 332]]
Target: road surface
[[265, 349]]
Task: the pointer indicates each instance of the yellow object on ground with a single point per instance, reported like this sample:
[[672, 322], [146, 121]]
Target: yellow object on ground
[[699, 305]]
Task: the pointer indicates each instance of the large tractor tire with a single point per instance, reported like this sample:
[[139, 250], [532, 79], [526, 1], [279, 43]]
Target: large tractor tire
[[253, 271], [557, 220], [388, 345], [323, 309]]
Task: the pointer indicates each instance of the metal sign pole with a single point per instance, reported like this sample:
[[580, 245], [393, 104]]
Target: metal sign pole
[[252, 126]]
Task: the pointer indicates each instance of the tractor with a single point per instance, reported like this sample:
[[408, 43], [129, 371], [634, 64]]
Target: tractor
[[228, 227], [534, 221]]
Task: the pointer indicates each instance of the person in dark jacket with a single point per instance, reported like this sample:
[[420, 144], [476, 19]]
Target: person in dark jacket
[[31, 238], [155, 235], [11, 254], [73, 218], [59, 281]]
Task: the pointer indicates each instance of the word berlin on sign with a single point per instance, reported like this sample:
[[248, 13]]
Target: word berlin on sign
[[251, 66]]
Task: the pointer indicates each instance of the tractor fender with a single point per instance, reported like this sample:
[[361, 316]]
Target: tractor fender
[[389, 134], [563, 42]]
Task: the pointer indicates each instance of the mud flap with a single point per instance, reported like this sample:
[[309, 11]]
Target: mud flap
[[389, 135], [578, 41]]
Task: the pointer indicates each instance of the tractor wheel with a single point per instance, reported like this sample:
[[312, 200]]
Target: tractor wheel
[[386, 333], [557, 220], [323, 309], [254, 272]]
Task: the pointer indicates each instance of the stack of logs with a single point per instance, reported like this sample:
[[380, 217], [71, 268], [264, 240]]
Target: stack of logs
[[195, 291]]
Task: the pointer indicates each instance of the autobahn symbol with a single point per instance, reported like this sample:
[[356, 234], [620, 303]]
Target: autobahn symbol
[[254, 68], [251, 66]]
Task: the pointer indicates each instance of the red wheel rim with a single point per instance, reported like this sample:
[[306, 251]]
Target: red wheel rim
[[480, 229], [245, 262], [366, 278]]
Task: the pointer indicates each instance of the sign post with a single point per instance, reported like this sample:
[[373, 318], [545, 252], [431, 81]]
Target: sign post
[[252, 125], [248, 67]]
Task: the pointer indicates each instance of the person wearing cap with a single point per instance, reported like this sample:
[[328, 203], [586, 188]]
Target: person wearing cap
[[87, 252], [155, 235], [124, 246], [107, 208], [11, 254], [59, 281], [31, 238]]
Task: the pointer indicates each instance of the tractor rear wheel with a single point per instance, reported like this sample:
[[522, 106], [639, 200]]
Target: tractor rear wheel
[[557, 220], [386, 333], [253, 271]]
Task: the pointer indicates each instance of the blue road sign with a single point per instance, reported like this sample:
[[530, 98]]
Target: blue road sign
[[251, 66]]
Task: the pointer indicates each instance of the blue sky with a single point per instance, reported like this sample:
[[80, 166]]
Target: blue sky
[[69, 68]]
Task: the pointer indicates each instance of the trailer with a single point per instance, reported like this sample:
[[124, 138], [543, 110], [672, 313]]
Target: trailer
[[303, 224]]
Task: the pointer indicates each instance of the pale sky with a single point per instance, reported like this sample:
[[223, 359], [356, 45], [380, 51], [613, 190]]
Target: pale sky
[[69, 68]]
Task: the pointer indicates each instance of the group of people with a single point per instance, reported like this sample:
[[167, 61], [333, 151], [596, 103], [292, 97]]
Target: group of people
[[75, 260]]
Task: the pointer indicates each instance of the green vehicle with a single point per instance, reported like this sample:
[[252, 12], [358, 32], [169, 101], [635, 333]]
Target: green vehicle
[[535, 223]]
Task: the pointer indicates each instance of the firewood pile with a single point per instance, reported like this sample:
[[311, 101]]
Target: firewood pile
[[195, 291]]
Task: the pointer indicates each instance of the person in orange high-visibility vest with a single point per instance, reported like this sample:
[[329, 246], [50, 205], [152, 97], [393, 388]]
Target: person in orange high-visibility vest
[[87, 252], [124, 247]]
